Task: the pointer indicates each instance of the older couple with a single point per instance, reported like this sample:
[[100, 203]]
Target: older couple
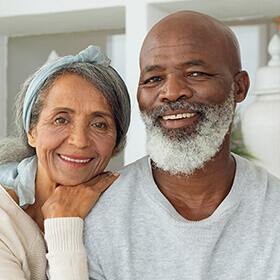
[[190, 210]]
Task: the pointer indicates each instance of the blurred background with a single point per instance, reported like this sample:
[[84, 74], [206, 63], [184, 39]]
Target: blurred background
[[31, 29]]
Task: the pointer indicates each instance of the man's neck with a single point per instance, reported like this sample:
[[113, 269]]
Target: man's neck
[[197, 196]]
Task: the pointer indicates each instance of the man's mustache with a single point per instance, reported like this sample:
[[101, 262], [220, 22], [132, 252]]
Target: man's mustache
[[156, 112]]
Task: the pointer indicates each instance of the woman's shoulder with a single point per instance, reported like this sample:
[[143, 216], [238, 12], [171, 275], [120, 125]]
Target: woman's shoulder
[[22, 247], [11, 212], [9, 208], [10, 192], [16, 226]]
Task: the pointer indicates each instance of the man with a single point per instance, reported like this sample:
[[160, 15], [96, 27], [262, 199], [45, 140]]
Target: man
[[191, 210]]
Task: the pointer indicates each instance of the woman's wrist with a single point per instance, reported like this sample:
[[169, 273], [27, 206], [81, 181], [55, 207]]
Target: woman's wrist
[[64, 234]]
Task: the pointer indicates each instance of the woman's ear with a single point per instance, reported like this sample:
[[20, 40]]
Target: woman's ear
[[241, 83], [31, 139]]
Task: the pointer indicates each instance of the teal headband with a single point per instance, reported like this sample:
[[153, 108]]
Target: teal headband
[[92, 54]]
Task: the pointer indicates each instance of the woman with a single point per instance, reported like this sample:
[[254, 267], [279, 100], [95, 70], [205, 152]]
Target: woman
[[72, 117]]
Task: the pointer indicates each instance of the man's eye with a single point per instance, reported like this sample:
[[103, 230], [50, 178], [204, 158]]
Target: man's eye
[[100, 125], [153, 80], [61, 121], [196, 74]]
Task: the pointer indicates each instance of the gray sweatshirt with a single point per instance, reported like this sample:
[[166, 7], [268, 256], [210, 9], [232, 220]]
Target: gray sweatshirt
[[133, 232]]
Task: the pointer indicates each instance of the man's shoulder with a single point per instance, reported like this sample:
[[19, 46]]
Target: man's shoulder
[[132, 175], [136, 166], [252, 170], [121, 194], [260, 187]]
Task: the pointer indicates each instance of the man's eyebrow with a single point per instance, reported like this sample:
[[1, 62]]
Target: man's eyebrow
[[151, 68], [197, 62]]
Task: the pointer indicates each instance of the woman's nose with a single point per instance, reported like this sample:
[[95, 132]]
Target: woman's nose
[[174, 88], [79, 137]]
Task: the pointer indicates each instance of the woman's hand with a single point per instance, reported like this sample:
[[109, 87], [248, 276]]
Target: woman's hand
[[77, 201]]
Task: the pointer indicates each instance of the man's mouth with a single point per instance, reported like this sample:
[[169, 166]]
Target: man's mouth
[[178, 119], [75, 160], [179, 116]]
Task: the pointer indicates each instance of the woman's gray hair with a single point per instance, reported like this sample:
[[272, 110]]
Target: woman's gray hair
[[105, 79]]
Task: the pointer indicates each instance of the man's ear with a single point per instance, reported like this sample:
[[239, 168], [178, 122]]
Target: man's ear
[[31, 139], [241, 86]]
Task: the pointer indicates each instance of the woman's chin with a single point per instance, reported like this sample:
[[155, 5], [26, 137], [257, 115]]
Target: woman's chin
[[72, 182]]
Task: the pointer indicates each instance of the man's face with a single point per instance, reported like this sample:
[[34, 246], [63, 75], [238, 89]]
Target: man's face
[[182, 76], [182, 65]]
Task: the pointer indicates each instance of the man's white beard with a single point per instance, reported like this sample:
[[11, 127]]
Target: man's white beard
[[180, 152]]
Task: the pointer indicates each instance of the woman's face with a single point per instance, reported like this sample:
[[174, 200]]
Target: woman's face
[[76, 133]]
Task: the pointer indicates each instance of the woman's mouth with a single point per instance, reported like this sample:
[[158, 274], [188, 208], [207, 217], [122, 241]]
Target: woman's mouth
[[75, 159]]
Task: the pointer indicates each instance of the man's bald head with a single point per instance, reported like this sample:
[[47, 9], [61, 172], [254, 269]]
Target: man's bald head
[[194, 26]]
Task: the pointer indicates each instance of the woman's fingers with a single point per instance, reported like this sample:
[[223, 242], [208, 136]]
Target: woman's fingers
[[77, 201], [102, 181]]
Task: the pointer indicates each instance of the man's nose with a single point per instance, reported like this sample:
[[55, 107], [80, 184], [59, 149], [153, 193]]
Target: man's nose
[[175, 88], [79, 137]]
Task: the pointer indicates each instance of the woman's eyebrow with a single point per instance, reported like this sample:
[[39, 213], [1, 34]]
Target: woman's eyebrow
[[67, 109], [94, 113], [102, 113]]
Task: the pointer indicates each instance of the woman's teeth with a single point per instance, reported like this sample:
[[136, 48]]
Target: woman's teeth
[[179, 116], [75, 160]]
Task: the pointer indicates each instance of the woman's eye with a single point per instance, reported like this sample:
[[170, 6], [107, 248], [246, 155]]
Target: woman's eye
[[100, 125], [153, 80], [61, 121]]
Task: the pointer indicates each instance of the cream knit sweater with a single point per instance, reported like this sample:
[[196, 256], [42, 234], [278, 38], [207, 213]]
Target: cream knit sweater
[[23, 253]]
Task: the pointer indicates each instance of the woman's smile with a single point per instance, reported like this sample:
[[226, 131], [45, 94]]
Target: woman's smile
[[78, 160]]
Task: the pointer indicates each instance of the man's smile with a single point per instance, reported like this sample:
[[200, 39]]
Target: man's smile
[[178, 119], [179, 116]]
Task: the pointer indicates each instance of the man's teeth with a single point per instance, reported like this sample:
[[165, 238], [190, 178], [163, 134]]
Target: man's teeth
[[179, 116], [75, 160]]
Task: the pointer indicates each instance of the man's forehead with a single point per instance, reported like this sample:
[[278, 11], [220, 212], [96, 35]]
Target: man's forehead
[[183, 52], [159, 43], [174, 39]]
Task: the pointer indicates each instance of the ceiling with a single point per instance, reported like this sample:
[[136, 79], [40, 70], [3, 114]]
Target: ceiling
[[113, 17]]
